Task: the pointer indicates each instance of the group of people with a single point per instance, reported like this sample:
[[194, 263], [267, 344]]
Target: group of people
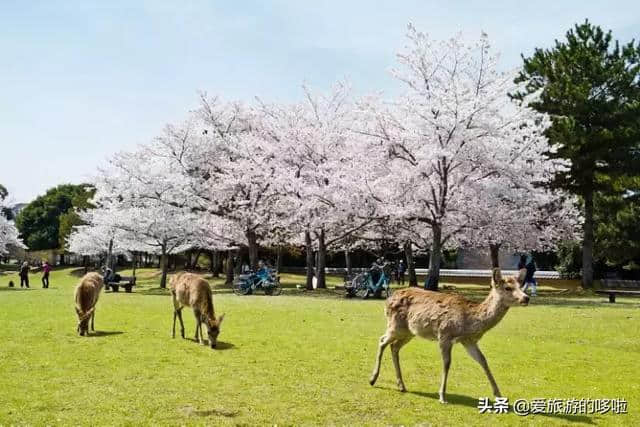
[[526, 261], [25, 270], [395, 270]]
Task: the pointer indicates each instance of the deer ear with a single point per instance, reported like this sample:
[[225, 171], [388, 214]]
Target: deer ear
[[496, 278], [220, 319]]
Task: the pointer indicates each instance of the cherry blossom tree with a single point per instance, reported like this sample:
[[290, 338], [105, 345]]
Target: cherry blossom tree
[[519, 219], [223, 170], [448, 135], [8, 236], [128, 199], [318, 171]]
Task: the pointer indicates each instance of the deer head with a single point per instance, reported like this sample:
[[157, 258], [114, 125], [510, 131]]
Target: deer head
[[509, 290], [213, 329]]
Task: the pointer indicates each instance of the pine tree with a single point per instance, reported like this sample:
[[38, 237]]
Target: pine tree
[[590, 86]]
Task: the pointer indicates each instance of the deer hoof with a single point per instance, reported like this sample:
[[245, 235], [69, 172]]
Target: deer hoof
[[444, 402], [402, 388]]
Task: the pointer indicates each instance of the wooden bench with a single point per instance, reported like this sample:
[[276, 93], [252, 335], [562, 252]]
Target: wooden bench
[[126, 282], [613, 287]]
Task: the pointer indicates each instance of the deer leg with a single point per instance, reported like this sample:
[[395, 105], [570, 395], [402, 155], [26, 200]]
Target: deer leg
[[384, 342], [445, 351], [198, 338], [181, 323], [173, 331], [395, 356], [476, 354]]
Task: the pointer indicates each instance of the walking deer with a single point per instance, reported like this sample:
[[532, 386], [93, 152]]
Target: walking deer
[[447, 318], [188, 289], [86, 297]]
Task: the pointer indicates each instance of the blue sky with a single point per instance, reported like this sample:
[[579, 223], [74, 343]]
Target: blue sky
[[80, 80]]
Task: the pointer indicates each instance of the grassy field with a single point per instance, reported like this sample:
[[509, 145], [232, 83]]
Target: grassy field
[[299, 358]]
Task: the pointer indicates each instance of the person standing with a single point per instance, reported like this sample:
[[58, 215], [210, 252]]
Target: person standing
[[529, 279], [401, 270], [46, 269], [24, 275], [523, 262]]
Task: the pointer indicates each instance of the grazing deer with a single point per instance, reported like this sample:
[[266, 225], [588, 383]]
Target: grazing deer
[[86, 297], [447, 318], [188, 289]]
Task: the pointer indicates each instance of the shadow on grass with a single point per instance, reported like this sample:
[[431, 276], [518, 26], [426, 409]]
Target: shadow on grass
[[217, 412], [153, 291], [220, 345], [98, 334], [15, 289], [210, 412]]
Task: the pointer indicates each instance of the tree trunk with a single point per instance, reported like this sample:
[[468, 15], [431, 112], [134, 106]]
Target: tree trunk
[[347, 262], [134, 255], [587, 244], [434, 259], [237, 261], [279, 258], [494, 249], [214, 257], [109, 253], [411, 265], [252, 241], [194, 264], [309, 246], [229, 269], [164, 264], [322, 262], [220, 263]]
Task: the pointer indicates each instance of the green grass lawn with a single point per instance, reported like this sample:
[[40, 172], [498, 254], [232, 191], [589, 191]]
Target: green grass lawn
[[296, 359]]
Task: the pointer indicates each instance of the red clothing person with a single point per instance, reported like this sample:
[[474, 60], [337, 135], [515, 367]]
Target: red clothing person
[[46, 268]]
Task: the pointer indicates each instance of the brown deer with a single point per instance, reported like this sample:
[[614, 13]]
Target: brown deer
[[447, 318], [188, 289], [86, 297]]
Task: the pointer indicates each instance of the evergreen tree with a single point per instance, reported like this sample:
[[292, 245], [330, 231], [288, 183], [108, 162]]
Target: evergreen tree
[[39, 221], [590, 86]]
